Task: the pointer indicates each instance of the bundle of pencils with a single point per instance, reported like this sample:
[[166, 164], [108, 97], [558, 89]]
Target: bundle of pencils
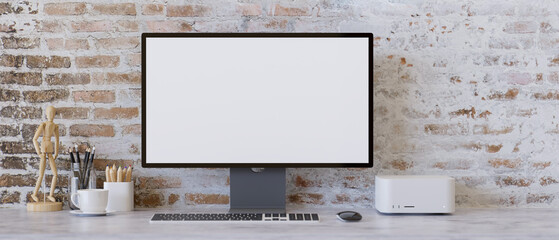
[[84, 166], [118, 175]]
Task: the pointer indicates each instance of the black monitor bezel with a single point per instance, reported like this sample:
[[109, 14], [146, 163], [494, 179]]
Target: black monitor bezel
[[252, 35]]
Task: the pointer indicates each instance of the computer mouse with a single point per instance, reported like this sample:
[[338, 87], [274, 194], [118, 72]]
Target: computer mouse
[[349, 216]]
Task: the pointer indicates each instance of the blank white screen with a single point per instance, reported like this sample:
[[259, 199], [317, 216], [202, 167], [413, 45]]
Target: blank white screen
[[257, 100]]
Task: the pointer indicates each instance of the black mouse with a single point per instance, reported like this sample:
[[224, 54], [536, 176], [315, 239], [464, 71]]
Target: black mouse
[[349, 216]]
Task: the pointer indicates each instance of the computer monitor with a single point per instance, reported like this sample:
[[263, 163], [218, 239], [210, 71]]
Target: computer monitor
[[256, 100]]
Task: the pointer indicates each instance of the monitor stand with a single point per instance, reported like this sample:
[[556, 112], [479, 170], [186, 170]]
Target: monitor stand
[[257, 190]]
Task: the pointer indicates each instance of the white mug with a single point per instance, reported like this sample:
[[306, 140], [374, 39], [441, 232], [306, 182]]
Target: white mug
[[91, 200], [121, 196]]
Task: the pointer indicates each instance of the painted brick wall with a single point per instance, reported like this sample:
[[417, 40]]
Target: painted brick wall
[[462, 88]]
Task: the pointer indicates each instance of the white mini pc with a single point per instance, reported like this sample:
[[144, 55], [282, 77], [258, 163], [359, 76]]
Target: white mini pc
[[414, 194]]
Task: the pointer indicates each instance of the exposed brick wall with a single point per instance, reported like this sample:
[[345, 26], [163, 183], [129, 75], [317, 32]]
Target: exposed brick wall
[[467, 89]]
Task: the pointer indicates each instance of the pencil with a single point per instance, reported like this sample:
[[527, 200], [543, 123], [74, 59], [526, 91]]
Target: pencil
[[113, 174], [124, 174], [129, 174], [108, 173], [119, 174]]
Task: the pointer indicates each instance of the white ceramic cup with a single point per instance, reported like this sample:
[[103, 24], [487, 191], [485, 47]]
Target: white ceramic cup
[[121, 196], [91, 200]]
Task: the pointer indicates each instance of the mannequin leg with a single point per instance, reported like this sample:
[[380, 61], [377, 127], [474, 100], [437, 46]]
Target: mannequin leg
[[42, 166], [54, 178]]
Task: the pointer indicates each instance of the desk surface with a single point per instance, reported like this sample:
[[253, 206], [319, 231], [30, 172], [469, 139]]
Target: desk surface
[[464, 224]]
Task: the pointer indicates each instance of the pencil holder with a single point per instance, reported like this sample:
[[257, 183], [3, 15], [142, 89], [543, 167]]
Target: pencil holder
[[121, 196]]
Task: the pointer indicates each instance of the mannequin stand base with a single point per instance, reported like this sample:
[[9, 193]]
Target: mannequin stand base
[[44, 206]]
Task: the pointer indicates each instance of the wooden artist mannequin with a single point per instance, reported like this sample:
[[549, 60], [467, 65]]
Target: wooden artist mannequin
[[47, 129]]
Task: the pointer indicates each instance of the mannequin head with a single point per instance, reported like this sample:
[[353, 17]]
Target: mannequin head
[[51, 111]]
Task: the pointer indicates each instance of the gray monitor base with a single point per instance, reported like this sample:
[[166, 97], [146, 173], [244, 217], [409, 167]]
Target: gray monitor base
[[257, 190]]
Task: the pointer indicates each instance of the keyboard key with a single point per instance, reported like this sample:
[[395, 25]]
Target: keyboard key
[[307, 217], [300, 217], [292, 216], [268, 215], [314, 216], [283, 215]]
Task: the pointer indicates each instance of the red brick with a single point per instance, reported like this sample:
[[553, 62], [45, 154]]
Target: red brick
[[158, 182], [305, 182], [19, 112], [67, 79], [201, 198], [126, 26], [539, 198], [470, 113], [505, 163], [118, 43], [249, 9], [509, 95], [115, 9], [20, 42], [134, 129], [552, 95], [92, 26], [494, 148], [401, 164], [280, 10], [100, 164], [461, 164], [123, 78], [67, 44], [11, 60], [169, 26], [17, 180], [66, 8], [8, 28], [52, 26], [521, 27], [148, 200], [99, 61], [7, 95], [48, 62], [541, 165], [9, 131], [152, 9], [510, 181], [554, 61], [485, 129], [92, 130], [116, 113], [445, 129], [342, 199], [21, 78], [306, 198], [9, 197], [188, 11], [71, 113], [101, 96], [12, 162], [134, 59], [17, 147], [173, 198], [42, 96], [544, 181]]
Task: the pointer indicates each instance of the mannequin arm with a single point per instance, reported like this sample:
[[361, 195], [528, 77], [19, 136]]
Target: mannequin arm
[[36, 137], [56, 142]]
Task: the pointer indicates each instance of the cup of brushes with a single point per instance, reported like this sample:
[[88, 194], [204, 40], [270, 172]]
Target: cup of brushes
[[82, 175], [121, 188]]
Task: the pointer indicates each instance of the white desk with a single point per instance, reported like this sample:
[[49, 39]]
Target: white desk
[[464, 224]]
